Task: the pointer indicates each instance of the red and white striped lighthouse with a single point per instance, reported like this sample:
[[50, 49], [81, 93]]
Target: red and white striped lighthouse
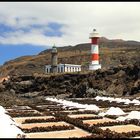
[[94, 36]]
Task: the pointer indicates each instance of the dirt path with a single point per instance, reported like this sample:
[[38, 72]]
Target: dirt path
[[123, 128], [60, 134], [91, 122], [81, 115], [29, 126]]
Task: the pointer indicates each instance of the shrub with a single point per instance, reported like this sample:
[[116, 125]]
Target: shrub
[[49, 128], [41, 120]]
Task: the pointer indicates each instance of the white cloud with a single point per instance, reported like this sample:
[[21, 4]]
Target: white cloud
[[111, 19]]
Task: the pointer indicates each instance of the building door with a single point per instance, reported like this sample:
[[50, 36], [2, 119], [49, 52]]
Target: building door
[[58, 69], [62, 69]]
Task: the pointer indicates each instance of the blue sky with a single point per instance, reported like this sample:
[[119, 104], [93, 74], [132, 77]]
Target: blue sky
[[11, 51]]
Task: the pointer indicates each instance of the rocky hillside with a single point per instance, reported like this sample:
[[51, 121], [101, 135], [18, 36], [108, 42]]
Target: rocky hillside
[[115, 81], [112, 53]]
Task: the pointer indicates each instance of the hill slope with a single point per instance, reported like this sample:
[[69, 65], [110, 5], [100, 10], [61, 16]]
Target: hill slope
[[112, 53]]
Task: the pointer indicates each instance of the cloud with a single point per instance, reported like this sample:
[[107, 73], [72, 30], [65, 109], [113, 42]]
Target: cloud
[[68, 23]]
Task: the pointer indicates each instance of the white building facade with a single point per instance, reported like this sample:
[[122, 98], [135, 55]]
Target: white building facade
[[64, 68]]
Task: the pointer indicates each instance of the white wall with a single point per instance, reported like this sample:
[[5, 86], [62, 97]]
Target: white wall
[[64, 68], [48, 69]]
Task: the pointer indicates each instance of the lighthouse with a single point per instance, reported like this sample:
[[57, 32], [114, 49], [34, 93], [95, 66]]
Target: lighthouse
[[94, 36], [54, 60], [54, 67]]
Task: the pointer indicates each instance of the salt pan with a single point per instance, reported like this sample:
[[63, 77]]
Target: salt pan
[[118, 100], [112, 111], [131, 115], [8, 128], [73, 104]]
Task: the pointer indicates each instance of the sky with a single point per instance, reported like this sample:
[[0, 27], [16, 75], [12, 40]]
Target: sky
[[27, 28]]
